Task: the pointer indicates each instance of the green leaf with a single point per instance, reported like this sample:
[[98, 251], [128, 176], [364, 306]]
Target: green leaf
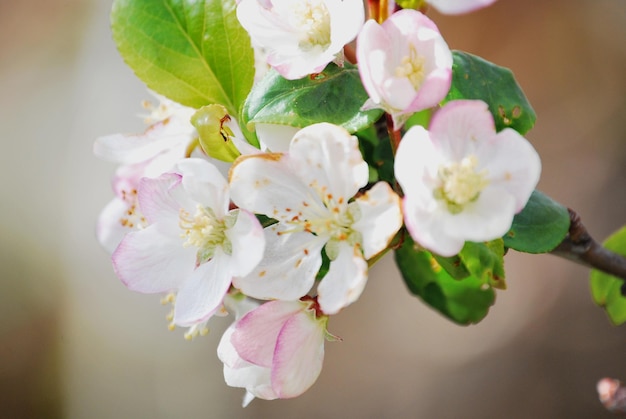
[[335, 95], [376, 150], [476, 78], [215, 136], [195, 52], [485, 261], [463, 301], [605, 288], [539, 227]]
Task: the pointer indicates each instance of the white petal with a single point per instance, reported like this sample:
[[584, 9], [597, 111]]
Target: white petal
[[248, 243], [110, 231], [275, 137], [162, 198], [203, 291], [256, 333], [299, 355], [204, 184], [130, 149], [381, 218], [150, 261], [288, 268], [460, 127], [513, 164], [344, 282], [488, 218], [416, 165], [265, 184], [428, 228], [327, 158]]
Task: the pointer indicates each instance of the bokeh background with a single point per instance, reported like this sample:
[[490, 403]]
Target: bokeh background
[[74, 343]]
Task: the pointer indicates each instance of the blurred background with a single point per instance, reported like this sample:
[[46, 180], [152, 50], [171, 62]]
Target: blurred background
[[74, 343]]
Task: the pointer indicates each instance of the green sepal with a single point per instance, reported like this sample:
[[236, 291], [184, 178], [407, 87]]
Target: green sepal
[[464, 301], [476, 78], [214, 135], [539, 227], [606, 289]]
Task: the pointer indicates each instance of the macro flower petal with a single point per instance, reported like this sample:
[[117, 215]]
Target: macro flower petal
[[380, 218], [203, 291], [265, 184], [255, 334], [299, 355], [149, 261], [288, 268], [248, 243], [345, 280], [327, 158]]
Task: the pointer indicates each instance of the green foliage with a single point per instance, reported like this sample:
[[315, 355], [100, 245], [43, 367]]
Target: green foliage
[[485, 261], [476, 78], [539, 227], [376, 150], [463, 301], [195, 52], [335, 95], [605, 288]]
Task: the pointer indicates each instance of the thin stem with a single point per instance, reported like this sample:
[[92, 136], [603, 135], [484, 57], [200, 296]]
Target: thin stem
[[383, 11], [580, 247], [373, 6], [394, 135]]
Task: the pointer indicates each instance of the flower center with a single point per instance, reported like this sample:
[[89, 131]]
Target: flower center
[[204, 231], [336, 224], [412, 67], [312, 19], [460, 183]]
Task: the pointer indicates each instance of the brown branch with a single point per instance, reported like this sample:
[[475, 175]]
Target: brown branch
[[580, 247]]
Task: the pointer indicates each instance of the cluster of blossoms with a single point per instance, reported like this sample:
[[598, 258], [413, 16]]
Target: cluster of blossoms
[[282, 237]]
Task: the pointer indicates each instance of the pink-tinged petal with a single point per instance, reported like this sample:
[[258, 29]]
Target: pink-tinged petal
[[159, 199], [248, 243], [240, 373], [265, 184], [433, 90], [513, 164], [299, 355], [111, 229], [381, 218], [416, 165], [131, 149], [288, 268], [255, 334], [458, 128], [370, 51], [204, 184], [383, 51], [345, 280], [456, 7], [427, 227], [150, 261], [203, 291], [275, 137], [327, 158]]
